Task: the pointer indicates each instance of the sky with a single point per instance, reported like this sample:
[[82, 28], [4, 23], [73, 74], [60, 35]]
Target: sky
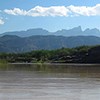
[[52, 15]]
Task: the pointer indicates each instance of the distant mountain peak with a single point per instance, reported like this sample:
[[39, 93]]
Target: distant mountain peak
[[95, 29], [77, 28], [93, 32], [76, 31], [37, 29]]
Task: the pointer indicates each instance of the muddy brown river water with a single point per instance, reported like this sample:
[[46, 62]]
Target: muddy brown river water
[[49, 82]]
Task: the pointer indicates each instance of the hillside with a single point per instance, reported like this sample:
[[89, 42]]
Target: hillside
[[12, 43]]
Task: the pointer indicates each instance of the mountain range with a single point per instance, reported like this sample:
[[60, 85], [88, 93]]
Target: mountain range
[[76, 31], [36, 39], [16, 44]]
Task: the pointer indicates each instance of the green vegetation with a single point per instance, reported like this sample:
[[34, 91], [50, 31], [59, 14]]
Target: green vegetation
[[15, 44], [3, 63], [82, 54]]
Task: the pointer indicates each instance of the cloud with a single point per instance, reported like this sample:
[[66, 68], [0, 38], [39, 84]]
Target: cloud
[[57, 11], [48, 11], [15, 11], [40, 11], [85, 11], [1, 18], [1, 21]]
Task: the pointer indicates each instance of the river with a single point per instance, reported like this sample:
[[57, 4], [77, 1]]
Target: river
[[49, 82]]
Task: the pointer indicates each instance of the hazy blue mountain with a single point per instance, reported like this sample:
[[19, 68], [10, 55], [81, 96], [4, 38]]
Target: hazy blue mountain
[[11, 43], [30, 32], [71, 32], [93, 32], [76, 31]]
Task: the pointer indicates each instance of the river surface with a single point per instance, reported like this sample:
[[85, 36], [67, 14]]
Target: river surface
[[49, 82]]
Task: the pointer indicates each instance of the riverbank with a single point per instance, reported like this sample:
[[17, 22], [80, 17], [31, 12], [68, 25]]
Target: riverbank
[[83, 54], [68, 64]]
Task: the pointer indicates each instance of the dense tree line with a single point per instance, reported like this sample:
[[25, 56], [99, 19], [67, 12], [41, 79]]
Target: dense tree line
[[82, 54]]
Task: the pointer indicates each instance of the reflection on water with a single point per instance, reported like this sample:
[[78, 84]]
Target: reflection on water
[[49, 81]]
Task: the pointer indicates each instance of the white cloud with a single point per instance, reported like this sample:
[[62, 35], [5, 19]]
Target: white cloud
[[57, 11], [40, 11], [85, 11], [15, 11], [48, 11], [1, 22]]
